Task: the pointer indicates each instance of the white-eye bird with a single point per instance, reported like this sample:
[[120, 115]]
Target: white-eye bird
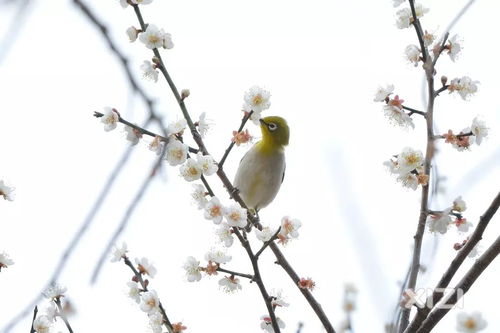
[[262, 169]]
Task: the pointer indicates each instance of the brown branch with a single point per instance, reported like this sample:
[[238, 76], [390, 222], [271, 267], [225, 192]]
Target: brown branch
[[144, 286], [442, 47], [248, 276], [419, 31], [462, 287], [258, 279], [412, 111], [35, 311], [63, 315], [419, 234], [228, 185], [266, 244], [440, 90], [455, 265]]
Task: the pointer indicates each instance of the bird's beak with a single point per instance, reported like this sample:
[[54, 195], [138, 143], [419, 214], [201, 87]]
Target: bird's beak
[[262, 122]]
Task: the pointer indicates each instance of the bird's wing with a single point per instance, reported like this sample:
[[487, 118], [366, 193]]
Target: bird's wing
[[283, 177]]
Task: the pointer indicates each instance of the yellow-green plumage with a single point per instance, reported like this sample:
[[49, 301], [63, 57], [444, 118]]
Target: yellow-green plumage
[[262, 169]]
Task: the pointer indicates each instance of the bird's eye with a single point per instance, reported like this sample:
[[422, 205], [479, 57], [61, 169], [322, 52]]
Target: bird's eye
[[272, 126]]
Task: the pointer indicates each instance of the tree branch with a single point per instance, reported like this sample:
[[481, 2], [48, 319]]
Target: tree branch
[[462, 287], [231, 145], [63, 315], [455, 265]]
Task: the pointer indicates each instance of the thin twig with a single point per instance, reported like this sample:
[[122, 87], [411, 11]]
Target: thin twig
[[462, 287], [440, 90], [248, 276], [266, 244], [144, 286], [35, 311], [412, 111], [62, 314], [455, 265], [231, 145], [441, 49]]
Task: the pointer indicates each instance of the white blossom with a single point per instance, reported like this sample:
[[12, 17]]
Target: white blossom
[[110, 118], [428, 38], [51, 312], [405, 18], [124, 3], [408, 180], [42, 324], [277, 298], [207, 164], [454, 47], [156, 321], [214, 210], [149, 71], [265, 234], [409, 159], [133, 135], [191, 170], [7, 192], [230, 284], [176, 152], [236, 216], [463, 225], [397, 116], [192, 267], [479, 129], [382, 93], [464, 86], [5, 260], [459, 205], [470, 322], [203, 125], [412, 53], [218, 256], [266, 323], [132, 33], [289, 227], [199, 195], [54, 291], [257, 99], [142, 2], [145, 267], [134, 292], [149, 301], [156, 145], [224, 234], [177, 127], [154, 37], [119, 252], [439, 223]]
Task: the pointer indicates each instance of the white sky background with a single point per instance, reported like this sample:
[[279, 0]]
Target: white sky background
[[322, 61]]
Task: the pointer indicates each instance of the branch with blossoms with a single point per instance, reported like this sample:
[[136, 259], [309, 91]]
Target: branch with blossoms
[[176, 152], [411, 167], [147, 299]]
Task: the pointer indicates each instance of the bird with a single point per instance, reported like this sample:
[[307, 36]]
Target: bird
[[262, 169]]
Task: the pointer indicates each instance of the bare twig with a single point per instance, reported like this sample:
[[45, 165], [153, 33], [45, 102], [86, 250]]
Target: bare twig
[[266, 244], [248, 276], [412, 111], [455, 264], [63, 315], [462, 287], [35, 311]]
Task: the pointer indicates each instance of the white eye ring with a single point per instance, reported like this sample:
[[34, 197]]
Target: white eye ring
[[272, 126]]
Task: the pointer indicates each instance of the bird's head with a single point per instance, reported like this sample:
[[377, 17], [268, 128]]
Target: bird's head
[[275, 131]]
